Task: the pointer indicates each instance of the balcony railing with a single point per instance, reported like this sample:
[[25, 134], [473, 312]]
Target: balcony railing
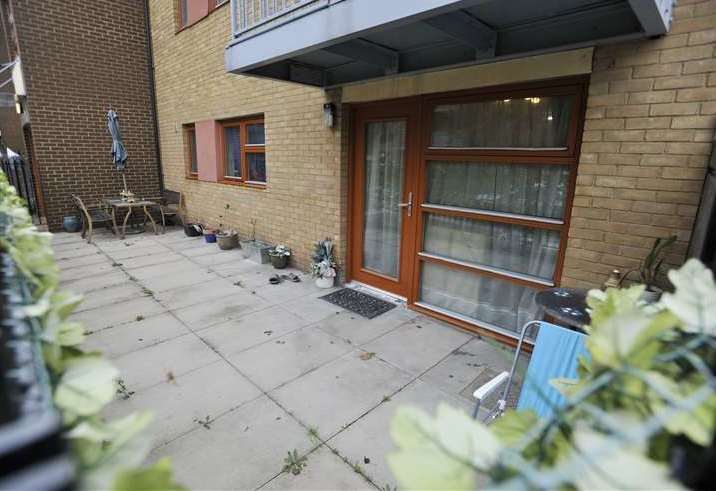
[[248, 15]]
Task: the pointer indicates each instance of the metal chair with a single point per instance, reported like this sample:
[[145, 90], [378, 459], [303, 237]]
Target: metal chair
[[92, 216], [555, 355], [171, 205]]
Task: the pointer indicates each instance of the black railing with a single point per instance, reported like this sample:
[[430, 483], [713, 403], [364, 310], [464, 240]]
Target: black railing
[[19, 174], [33, 453]]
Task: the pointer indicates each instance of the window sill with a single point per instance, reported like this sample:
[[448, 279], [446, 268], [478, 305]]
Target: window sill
[[246, 184], [192, 176]]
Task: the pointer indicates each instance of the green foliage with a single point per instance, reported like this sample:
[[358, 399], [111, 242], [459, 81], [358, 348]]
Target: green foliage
[[650, 268], [645, 388], [158, 477], [107, 452], [294, 463]]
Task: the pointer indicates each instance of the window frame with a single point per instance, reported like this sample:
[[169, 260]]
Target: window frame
[[189, 134], [567, 157], [245, 150]]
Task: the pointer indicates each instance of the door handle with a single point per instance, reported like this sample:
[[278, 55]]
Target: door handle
[[408, 205]]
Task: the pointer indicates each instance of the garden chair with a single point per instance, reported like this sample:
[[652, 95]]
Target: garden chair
[[92, 216], [171, 205], [555, 355]]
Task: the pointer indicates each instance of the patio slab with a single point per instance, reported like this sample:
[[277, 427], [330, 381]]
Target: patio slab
[[264, 326], [242, 449], [179, 405], [324, 470], [136, 335], [336, 394], [364, 442], [118, 313], [275, 363], [216, 346], [418, 345]]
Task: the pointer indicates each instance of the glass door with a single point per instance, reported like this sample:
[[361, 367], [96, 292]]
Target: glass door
[[383, 196]]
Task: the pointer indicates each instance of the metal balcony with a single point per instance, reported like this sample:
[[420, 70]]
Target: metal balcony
[[333, 42]]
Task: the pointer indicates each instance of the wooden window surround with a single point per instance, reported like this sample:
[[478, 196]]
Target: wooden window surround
[[189, 12], [241, 147], [191, 163]]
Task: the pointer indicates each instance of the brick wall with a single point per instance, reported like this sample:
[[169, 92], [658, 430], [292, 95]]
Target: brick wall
[[304, 199], [80, 58], [649, 129]]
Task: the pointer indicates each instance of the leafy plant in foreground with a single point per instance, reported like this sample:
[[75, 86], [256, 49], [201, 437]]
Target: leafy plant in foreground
[[640, 415], [83, 383]]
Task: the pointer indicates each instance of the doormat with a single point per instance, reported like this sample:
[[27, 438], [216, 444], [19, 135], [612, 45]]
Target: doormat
[[362, 304]]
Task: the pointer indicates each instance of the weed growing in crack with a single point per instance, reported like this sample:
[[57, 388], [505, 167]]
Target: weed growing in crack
[[122, 390], [313, 434], [205, 422], [293, 463]]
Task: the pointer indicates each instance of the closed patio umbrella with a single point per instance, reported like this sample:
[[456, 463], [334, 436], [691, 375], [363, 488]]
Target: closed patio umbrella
[[119, 153]]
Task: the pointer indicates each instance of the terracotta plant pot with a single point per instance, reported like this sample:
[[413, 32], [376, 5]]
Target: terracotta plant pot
[[227, 241], [279, 262], [325, 282]]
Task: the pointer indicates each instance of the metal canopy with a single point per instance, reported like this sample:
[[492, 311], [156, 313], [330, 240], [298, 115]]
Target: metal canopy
[[332, 42]]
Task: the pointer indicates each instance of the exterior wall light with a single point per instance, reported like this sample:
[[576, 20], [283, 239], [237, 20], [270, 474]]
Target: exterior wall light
[[329, 115]]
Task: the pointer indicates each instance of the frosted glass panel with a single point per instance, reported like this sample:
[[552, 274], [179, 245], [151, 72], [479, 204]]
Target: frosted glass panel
[[384, 168], [532, 122], [515, 248], [535, 190], [478, 297]]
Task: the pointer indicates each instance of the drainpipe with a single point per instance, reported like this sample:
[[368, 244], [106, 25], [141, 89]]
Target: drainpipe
[[152, 93]]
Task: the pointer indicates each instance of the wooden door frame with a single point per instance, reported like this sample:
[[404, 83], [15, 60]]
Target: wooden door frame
[[577, 85], [403, 109]]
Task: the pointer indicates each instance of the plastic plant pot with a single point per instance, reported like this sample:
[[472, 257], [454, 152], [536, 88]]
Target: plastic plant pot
[[210, 237], [279, 262]]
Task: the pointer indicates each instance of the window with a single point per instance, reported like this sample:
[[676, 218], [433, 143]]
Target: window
[[190, 155], [495, 210], [244, 151], [183, 12]]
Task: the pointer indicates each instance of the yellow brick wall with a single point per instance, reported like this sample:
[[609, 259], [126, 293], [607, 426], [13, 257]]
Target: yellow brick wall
[[649, 129], [302, 201]]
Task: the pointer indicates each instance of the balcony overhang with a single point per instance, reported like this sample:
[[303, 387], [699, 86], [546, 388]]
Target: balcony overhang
[[327, 43]]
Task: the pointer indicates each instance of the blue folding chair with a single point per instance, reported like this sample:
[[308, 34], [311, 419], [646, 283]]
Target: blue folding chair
[[555, 355]]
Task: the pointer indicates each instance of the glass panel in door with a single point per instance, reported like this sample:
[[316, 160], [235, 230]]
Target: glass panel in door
[[384, 170]]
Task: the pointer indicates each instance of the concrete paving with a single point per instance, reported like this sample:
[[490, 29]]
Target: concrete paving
[[239, 372]]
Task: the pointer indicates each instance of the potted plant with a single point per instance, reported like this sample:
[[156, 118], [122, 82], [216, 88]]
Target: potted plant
[[279, 256], [324, 267], [226, 238], [210, 235], [255, 250], [650, 269]]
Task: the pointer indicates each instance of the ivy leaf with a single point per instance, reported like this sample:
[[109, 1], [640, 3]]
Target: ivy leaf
[[86, 386], [154, 478], [63, 333], [693, 298], [64, 303], [109, 448], [602, 462]]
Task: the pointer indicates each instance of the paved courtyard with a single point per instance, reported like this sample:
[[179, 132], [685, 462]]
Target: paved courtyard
[[239, 372]]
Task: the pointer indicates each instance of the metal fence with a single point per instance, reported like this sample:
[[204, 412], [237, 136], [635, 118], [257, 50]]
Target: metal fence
[[19, 175], [247, 15]]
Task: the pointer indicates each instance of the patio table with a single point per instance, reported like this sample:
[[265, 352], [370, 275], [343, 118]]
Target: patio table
[[565, 305], [130, 207]]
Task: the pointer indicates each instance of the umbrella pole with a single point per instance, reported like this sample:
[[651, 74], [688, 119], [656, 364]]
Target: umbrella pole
[[124, 181]]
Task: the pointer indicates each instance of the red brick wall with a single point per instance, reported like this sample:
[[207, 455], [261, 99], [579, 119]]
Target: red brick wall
[[79, 58]]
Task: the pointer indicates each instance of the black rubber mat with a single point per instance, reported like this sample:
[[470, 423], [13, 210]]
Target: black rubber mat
[[361, 303]]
